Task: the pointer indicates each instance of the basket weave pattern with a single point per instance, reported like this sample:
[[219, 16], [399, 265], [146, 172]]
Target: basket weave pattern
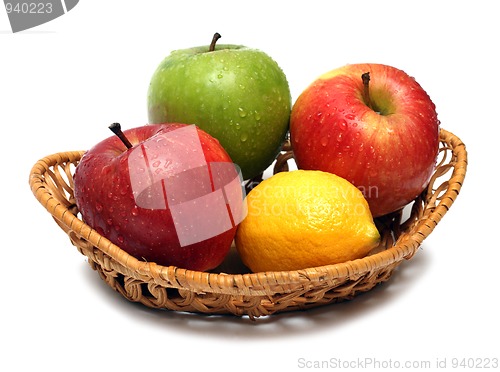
[[252, 294]]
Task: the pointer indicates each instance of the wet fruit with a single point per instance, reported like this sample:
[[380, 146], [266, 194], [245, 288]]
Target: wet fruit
[[303, 219], [237, 94]]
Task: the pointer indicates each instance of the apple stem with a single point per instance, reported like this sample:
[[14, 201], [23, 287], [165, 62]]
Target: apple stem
[[366, 91], [116, 128], [216, 37]]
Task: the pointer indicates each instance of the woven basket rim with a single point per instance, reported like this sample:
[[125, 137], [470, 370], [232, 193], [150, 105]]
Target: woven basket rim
[[246, 283]]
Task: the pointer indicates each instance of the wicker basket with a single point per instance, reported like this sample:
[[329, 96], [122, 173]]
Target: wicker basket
[[252, 294]]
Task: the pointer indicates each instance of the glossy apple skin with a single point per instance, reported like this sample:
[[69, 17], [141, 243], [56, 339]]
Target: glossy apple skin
[[236, 94], [104, 196], [389, 154]]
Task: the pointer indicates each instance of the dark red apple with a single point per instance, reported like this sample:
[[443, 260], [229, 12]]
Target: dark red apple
[[167, 193], [373, 125]]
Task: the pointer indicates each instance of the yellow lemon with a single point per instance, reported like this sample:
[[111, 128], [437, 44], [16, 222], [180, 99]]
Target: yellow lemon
[[304, 218]]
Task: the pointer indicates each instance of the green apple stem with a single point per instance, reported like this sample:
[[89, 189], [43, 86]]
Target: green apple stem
[[366, 89], [116, 128], [216, 37]]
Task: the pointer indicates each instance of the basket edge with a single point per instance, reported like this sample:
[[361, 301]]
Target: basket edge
[[234, 283]]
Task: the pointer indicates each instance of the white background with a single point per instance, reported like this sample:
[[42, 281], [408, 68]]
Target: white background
[[64, 82]]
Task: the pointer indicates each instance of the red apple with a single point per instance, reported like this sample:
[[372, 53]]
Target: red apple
[[166, 193], [373, 125]]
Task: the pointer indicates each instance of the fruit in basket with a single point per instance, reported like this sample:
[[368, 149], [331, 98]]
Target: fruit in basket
[[237, 94], [373, 125], [303, 219], [168, 194]]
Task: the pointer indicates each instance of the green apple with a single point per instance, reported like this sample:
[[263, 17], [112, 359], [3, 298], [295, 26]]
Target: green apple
[[237, 94]]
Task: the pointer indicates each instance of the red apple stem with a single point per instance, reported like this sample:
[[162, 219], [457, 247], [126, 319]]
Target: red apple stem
[[216, 37], [116, 128], [366, 89]]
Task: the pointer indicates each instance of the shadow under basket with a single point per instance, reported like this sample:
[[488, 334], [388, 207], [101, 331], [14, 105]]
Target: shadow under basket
[[251, 294]]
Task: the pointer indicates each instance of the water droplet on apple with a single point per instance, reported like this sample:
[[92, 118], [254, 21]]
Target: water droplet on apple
[[135, 211], [350, 117], [225, 68], [340, 137], [343, 124], [242, 87], [257, 115], [244, 137], [324, 141], [372, 152], [109, 221], [110, 194], [219, 76], [242, 112], [120, 239], [98, 207], [156, 163]]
